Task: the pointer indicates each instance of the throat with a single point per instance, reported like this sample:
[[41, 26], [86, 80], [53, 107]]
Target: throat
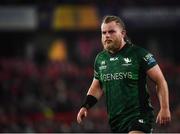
[[115, 50]]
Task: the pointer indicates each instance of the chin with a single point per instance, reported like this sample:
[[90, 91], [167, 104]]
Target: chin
[[108, 49]]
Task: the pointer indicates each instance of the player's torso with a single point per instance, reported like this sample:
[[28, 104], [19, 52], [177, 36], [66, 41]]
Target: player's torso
[[118, 68], [119, 71], [119, 75]]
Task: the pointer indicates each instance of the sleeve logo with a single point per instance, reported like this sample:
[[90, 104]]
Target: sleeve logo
[[149, 59]]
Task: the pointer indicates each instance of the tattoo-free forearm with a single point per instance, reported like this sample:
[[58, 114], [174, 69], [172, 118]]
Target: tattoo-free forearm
[[163, 94]]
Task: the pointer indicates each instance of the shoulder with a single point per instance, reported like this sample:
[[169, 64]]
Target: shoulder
[[100, 58], [140, 51], [101, 54], [145, 57]]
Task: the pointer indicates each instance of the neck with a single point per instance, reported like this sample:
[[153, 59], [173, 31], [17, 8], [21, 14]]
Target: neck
[[122, 45]]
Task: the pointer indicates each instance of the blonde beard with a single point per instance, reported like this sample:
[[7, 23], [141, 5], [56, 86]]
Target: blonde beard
[[112, 48]]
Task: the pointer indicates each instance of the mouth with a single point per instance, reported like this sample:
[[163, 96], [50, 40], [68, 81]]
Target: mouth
[[108, 41]]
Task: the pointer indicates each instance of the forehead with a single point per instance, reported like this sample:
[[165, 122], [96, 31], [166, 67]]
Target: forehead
[[110, 26]]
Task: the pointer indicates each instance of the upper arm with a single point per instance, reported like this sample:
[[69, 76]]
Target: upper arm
[[156, 74], [95, 89]]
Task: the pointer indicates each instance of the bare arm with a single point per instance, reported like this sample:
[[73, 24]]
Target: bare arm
[[156, 75], [94, 90]]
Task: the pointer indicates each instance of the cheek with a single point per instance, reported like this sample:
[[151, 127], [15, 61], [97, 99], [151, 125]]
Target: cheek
[[121, 35], [102, 38]]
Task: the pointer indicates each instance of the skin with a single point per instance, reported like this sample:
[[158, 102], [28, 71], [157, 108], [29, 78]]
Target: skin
[[112, 36], [113, 40], [156, 75]]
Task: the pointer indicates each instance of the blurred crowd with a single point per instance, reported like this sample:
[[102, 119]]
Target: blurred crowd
[[45, 96]]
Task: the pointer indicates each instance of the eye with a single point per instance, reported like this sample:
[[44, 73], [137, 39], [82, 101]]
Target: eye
[[111, 31], [103, 32]]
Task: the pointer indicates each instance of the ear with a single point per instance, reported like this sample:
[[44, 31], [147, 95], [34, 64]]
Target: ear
[[123, 33]]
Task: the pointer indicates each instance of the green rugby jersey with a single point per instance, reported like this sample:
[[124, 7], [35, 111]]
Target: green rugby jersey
[[123, 79]]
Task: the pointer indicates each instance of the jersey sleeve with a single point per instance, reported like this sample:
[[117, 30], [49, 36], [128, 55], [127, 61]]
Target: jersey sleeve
[[96, 69], [147, 59]]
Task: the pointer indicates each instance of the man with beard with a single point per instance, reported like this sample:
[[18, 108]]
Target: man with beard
[[120, 72]]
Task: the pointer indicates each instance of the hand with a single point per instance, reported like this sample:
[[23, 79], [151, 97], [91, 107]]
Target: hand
[[163, 117], [82, 114]]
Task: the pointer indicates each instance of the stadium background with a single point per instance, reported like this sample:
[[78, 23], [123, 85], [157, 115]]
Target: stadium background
[[47, 50]]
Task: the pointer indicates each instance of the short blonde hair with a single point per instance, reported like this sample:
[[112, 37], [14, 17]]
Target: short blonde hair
[[110, 18]]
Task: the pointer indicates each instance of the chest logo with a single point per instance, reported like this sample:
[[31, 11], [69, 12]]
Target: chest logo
[[113, 58], [127, 62], [103, 62], [103, 65]]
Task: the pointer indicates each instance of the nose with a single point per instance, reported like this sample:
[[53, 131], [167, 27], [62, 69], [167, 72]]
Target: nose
[[107, 35]]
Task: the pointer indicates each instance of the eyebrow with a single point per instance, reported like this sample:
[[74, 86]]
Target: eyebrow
[[109, 31]]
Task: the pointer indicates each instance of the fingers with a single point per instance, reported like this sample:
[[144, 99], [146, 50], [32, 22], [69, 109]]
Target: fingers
[[157, 119], [166, 120], [163, 120], [82, 113], [85, 113], [79, 117]]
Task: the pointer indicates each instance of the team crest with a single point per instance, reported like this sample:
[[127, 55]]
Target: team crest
[[127, 62]]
